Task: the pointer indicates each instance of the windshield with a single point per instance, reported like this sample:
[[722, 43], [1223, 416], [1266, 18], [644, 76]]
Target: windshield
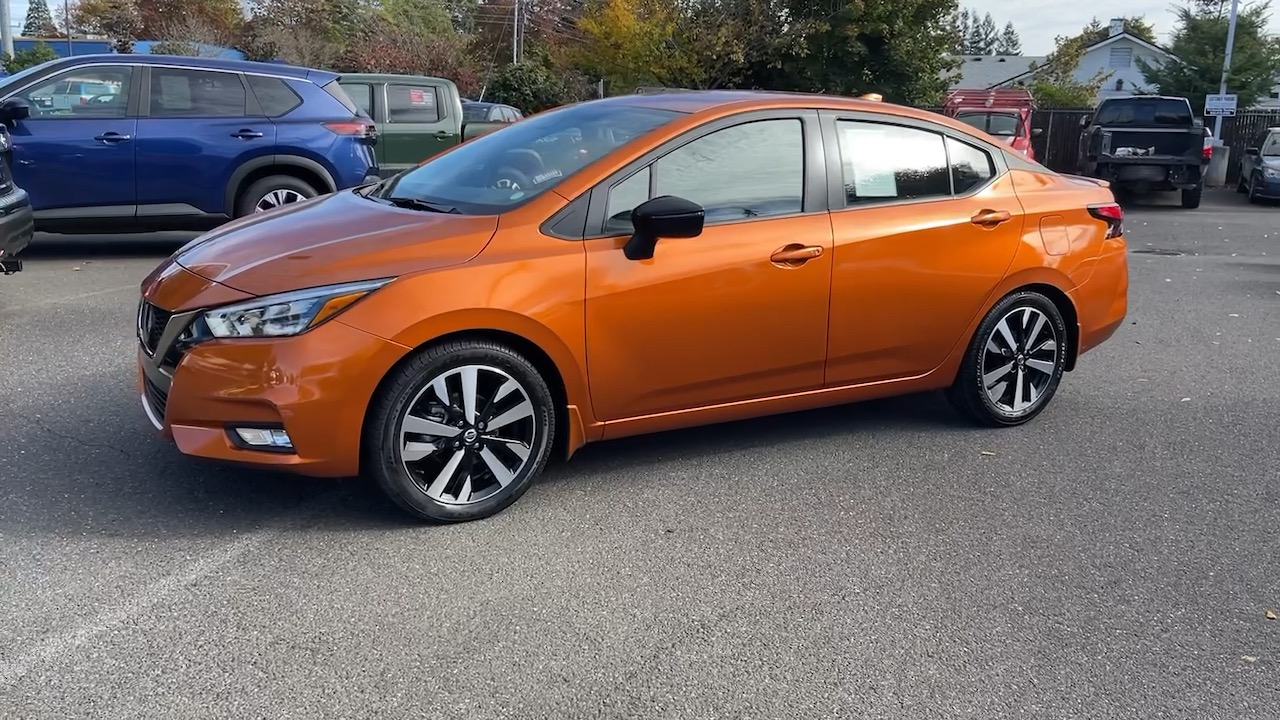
[[15, 79], [511, 166], [1154, 111], [1272, 147], [992, 123]]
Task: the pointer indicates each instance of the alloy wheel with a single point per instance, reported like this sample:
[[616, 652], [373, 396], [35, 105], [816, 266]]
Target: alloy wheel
[[1019, 360], [468, 434], [276, 198]]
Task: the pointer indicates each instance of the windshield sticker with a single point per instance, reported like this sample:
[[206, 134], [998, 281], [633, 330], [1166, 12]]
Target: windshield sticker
[[543, 177]]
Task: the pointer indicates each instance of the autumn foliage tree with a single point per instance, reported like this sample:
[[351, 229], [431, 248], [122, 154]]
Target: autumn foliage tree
[[118, 20]]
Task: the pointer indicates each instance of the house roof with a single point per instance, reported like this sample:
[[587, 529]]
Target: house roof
[[1125, 34], [984, 71]]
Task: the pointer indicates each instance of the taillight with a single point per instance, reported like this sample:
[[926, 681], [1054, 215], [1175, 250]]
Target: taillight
[[360, 129], [1207, 152], [1112, 214]]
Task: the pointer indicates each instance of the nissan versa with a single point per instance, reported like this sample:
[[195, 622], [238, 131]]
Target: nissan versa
[[626, 266]]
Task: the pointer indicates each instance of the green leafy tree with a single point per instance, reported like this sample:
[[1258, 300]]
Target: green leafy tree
[[1199, 44], [983, 36], [1008, 43], [24, 59], [1054, 83], [962, 21], [312, 33], [39, 21], [119, 20], [1095, 32]]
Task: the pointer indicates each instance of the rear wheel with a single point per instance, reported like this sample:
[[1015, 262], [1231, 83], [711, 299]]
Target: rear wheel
[[460, 431], [1253, 190], [1014, 362], [1191, 197], [272, 192]]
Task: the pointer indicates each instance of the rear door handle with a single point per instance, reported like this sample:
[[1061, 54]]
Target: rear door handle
[[443, 133], [991, 217], [795, 254], [111, 137], [246, 134]]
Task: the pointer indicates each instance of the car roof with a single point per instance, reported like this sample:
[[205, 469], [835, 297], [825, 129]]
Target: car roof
[[393, 77], [249, 66], [699, 101]]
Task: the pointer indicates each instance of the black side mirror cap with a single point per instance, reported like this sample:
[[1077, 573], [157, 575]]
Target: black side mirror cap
[[14, 109], [667, 216], [1251, 151], [1037, 132]]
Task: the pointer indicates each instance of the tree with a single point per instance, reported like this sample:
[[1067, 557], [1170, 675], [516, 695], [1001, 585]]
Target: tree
[[312, 33], [1054, 83], [39, 20], [982, 36], [118, 20], [628, 43], [1199, 46], [1008, 43], [1095, 32], [387, 44], [962, 26], [24, 59]]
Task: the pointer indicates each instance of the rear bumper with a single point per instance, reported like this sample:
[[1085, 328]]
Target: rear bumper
[[17, 227], [1102, 302]]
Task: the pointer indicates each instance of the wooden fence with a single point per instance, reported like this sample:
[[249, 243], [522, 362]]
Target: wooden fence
[[1058, 145]]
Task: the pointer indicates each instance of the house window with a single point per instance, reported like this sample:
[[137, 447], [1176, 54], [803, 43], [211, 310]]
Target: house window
[[1121, 57]]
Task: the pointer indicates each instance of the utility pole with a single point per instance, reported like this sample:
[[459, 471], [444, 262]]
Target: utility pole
[[6, 32], [1226, 67], [515, 33], [66, 21]]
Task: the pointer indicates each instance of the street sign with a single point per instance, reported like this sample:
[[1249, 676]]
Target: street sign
[[1220, 105]]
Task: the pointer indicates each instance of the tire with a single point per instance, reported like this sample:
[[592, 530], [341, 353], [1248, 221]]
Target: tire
[[1253, 191], [453, 474], [999, 408], [284, 187], [1191, 197]]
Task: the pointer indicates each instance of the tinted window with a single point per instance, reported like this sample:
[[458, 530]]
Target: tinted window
[[970, 167], [746, 171], [496, 171], [1272, 146], [888, 162], [1146, 111], [274, 95], [337, 93], [472, 112], [82, 92], [195, 93], [623, 198], [992, 123], [412, 104], [362, 95]]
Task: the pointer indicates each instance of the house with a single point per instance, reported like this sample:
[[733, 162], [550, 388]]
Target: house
[[1117, 55]]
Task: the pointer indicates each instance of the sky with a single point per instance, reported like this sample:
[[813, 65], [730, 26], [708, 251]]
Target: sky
[[1039, 21]]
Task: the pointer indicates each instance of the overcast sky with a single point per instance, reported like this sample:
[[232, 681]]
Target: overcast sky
[[1038, 21]]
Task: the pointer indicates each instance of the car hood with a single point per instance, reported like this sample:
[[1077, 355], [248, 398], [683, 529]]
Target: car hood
[[336, 238]]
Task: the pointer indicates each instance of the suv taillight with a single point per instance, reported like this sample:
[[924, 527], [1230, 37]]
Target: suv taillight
[[360, 129], [1112, 214]]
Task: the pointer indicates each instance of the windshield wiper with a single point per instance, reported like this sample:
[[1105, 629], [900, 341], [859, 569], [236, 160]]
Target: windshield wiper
[[419, 204]]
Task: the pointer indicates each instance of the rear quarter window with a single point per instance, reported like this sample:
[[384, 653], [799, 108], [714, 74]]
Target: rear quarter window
[[335, 90], [274, 95]]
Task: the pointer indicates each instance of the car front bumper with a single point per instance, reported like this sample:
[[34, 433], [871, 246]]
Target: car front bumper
[[17, 227], [315, 387], [1269, 188]]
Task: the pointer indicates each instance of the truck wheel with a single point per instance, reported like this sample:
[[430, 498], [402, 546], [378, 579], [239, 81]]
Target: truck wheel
[[1191, 197], [1253, 191], [272, 192]]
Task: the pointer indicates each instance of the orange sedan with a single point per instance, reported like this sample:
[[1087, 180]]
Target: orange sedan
[[626, 266]]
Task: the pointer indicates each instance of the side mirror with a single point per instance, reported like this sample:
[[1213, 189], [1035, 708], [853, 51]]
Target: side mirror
[[1084, 121], [14, 109], [667, 216], [1037, 132], [1251, 151]]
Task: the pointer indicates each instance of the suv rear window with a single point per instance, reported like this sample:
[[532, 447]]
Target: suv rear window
[[1145, 111], [274, 95], [335, 89]]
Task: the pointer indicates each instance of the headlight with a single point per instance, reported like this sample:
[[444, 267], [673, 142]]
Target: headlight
[[287, 313], [1271, 172]]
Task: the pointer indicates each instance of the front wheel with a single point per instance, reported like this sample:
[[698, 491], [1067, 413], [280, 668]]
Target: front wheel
[[460, 431], [1014, 362]]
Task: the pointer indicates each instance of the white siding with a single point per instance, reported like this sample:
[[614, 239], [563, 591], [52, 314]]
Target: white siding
[[1120, 59]]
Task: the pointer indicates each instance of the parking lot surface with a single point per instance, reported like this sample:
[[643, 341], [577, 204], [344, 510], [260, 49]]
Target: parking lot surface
[[1115, 558]]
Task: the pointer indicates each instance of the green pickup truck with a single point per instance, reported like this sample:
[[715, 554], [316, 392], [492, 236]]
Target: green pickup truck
[[417, 116]]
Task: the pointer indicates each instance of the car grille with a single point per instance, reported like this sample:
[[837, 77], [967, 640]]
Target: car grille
[[156, 397], [151, 323]]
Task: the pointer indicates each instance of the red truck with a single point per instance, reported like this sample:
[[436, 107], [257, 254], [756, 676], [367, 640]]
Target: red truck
[[1004, 113]]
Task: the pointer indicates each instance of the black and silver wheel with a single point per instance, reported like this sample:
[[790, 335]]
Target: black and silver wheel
[[1253, 190], [461, 431], [1014, 362], [273, 192]]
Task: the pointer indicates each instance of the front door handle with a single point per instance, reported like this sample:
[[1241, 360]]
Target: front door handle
[[111, 137], [795, 254], [246, 134], [991, 217]]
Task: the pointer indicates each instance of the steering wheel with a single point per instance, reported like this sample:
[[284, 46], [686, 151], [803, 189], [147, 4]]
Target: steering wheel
[[510, 178]]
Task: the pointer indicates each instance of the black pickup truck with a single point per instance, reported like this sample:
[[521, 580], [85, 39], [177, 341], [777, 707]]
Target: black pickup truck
[[1145, 143]]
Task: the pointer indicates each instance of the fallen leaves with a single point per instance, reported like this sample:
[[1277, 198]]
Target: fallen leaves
[[1271, 614]]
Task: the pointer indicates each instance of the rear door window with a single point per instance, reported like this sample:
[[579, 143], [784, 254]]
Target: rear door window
[[412, 104], [196, 93]]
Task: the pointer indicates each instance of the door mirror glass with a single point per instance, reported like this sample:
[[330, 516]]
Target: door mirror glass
[[667, 216], [1084, 121], [14, 109]]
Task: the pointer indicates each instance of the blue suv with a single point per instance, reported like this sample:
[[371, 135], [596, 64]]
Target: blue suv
[[128, 143]]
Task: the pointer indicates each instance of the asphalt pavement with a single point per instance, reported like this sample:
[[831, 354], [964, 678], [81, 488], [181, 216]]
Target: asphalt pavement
[[1116, 558]]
